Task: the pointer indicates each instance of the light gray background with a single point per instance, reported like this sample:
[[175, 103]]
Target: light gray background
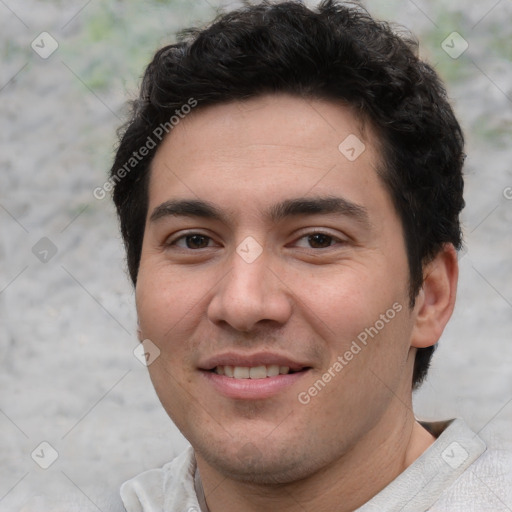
[[68, 374]]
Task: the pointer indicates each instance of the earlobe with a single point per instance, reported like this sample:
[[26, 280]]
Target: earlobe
[[436, 299]]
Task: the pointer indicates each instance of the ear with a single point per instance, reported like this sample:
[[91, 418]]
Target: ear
[[436, 299]]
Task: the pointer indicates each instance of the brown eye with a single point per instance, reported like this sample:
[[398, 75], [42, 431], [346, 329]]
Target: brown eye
[[196, 241], [320, 240], [193, 241]]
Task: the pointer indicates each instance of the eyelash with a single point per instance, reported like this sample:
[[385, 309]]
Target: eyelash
[[173, 243]]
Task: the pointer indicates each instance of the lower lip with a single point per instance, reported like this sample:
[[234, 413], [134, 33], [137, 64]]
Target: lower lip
[[252, 389]]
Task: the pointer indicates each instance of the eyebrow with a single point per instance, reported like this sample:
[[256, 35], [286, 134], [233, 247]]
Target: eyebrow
[[289, 208]]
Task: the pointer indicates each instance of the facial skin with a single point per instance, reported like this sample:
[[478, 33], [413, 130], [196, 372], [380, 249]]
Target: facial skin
[[306, 297]]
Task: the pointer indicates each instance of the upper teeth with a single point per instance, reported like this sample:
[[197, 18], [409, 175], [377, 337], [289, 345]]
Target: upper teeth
[[252, 372]]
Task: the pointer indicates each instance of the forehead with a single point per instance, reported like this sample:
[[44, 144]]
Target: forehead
[[268, 146]]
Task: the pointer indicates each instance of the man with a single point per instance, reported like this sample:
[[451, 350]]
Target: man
[[289, 190]]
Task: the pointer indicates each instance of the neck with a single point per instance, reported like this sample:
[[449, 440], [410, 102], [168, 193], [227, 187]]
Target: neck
[[343, 485]]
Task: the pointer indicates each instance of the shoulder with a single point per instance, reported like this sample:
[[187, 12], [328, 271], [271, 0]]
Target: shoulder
[[485, 485], [151, 489]]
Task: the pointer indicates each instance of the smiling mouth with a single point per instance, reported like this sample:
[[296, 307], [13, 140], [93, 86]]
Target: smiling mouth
[[254, 372]]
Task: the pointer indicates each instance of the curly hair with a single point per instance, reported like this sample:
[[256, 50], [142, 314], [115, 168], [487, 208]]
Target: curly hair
[[336, 52]]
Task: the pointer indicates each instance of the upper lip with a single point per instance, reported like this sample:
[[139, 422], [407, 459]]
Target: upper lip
[[257, 359]]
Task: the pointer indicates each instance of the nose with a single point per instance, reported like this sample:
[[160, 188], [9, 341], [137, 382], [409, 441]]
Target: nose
[[251, 293]]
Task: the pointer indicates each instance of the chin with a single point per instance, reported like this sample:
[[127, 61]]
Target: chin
[[261, 465]]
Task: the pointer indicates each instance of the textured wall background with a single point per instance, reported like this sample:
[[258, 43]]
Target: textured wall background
[[67, 324]]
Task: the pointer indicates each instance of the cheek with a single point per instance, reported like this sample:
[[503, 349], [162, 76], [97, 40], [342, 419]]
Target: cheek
[[349, 299], [172, 389], [165, 314], [163, 300], [169, 311], [360, 315]]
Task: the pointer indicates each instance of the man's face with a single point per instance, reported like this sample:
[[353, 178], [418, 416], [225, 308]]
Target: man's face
[[266, 247]]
